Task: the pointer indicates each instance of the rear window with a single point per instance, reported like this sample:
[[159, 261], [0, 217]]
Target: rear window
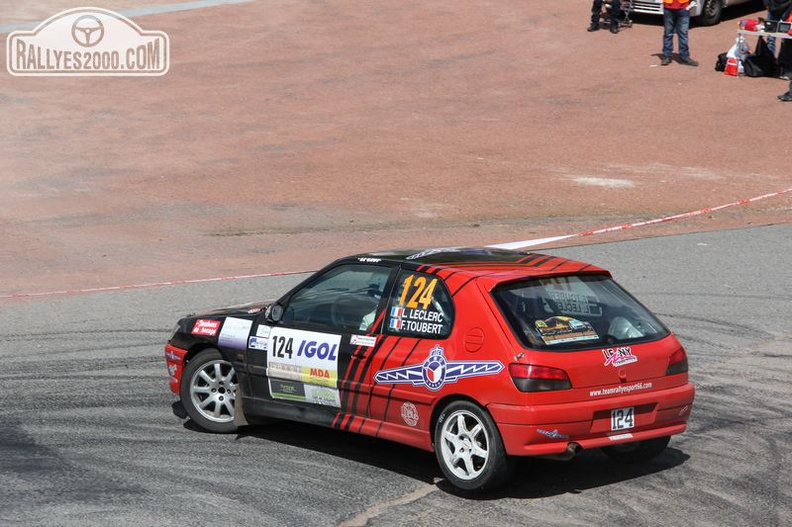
[[575, 312]]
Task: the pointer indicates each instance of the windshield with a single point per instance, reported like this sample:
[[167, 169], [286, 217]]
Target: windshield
[[575, 312]]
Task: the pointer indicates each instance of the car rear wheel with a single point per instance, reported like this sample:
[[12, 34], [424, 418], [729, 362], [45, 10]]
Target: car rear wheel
[[638, 451], [469, 447], [208, 391]]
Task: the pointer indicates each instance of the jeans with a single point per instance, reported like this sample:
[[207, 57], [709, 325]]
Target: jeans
[[771, 40], [676, 21]]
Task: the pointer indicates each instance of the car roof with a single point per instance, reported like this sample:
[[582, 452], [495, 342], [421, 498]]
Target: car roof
[[482, 261]]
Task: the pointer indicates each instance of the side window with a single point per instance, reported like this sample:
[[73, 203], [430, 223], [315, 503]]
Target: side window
[[344, 299], [420, 307]]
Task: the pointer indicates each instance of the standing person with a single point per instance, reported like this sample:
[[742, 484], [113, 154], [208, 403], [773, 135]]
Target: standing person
[[676, 19], [615, 15]]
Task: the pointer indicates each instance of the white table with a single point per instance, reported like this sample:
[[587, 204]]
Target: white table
[[763, 34]]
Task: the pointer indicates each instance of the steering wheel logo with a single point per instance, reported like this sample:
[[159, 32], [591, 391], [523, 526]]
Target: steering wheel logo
[[87, 31]]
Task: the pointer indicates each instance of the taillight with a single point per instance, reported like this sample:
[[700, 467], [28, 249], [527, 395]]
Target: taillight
[[677, 362], [533, 378]]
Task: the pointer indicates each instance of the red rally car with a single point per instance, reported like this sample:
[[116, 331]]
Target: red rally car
[[477, 354]]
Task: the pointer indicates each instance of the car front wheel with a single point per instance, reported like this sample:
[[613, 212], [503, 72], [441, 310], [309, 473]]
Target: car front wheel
[[711, 13], [638, 451], [208, 390], [469, 448]]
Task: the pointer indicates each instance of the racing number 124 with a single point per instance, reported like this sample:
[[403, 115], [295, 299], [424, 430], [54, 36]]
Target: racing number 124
[[622, 418], [281, 346], [422, 292]]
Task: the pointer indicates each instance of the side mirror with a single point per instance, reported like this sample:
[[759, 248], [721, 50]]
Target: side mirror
[[274, 313]]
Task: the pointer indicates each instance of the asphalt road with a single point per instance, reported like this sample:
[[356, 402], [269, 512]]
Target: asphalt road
[[89, 435]]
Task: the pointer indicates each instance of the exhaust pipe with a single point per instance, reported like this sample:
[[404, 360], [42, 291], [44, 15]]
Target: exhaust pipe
[[571, 451]]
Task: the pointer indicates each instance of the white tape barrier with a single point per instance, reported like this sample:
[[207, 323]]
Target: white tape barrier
[[513, 245], [543, 241]]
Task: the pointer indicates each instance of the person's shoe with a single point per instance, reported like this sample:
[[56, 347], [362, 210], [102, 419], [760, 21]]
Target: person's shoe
[[593, 27], [785, 97], [688, 62], [614, 29], [665, 61]]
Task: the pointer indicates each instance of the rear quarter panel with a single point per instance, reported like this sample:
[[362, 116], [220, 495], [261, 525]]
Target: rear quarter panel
[[476, 336]]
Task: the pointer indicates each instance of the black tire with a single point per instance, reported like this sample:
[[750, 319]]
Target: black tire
[[469, 448], [711, 13], [208, 391], [638, 451]]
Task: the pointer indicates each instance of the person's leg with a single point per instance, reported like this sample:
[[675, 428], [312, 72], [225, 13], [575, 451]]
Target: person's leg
[[771, 40], [596, 9], [682, 26], [616, 15], [668, 35], [785, 60], [786, 97]]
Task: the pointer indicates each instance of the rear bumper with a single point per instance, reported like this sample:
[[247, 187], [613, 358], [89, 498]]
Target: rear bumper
[[550, 429], [174, 359]]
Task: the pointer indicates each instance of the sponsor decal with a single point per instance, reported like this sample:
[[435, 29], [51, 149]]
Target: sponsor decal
[[263, 331], [430, 252], [304, 356], [619, 356], [619, 437], [409, 413], [559, 330], [412, 326], [206, 328], [368, 341], [416, 314], [287, 390], [297, 391], [618, 390], [435, 372], [322, 395], [554, 434], [235, 333], [257, 343], [284, 371], [575, 303], [416, 320], [369, 260], [87, 41], [172, 356]]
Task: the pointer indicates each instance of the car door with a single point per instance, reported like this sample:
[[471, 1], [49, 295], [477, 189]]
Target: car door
[[297, 364]]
